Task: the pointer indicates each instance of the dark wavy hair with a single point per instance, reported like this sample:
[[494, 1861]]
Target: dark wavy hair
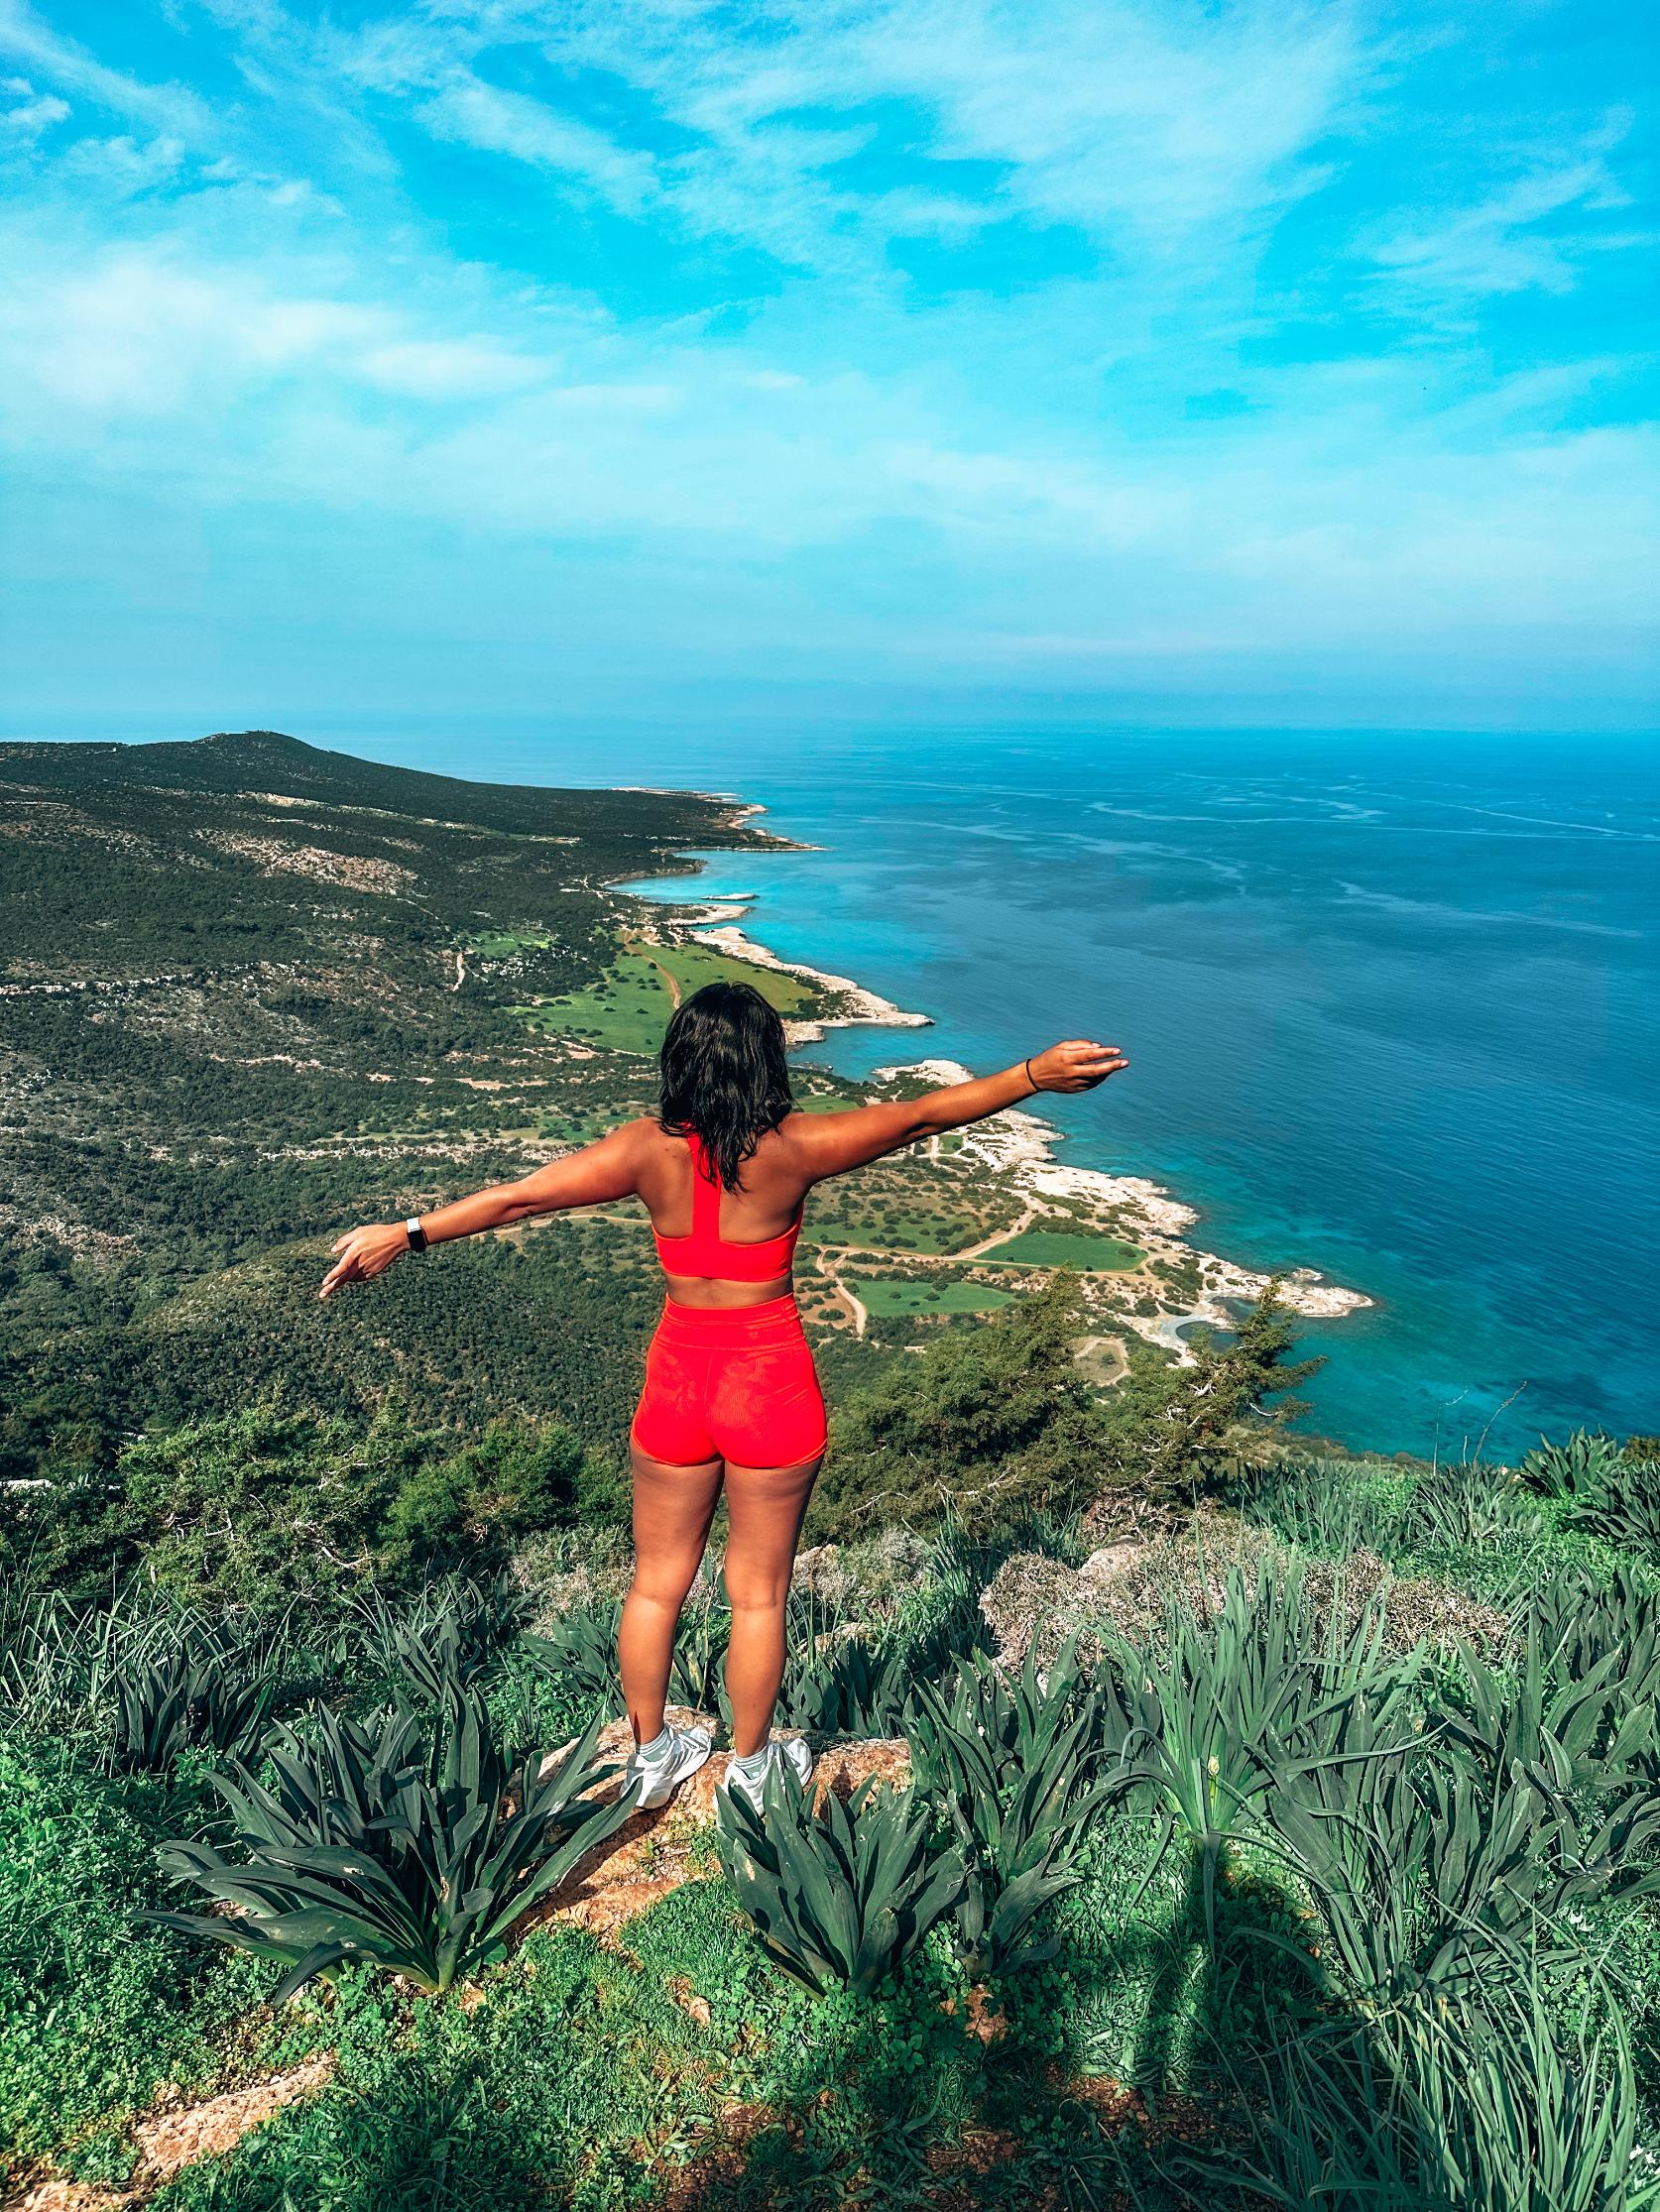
[[724, 1078]]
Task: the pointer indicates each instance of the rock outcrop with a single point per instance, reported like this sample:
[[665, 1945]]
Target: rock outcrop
[[655, 1852], [1036, 1603]]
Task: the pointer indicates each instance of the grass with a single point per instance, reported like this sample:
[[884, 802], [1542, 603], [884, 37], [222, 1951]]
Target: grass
[[678, 2068], [1048, 1247], [97, 2012], [693, 965], [892, 1300], [938, 1235], [628, 1008]]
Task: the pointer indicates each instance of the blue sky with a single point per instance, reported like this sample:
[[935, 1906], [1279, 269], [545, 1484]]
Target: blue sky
[[931, 357]]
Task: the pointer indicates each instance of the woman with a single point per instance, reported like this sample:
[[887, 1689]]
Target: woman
[[731, 1400]]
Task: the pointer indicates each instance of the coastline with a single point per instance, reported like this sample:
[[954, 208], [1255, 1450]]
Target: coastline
[[1019, 1146]]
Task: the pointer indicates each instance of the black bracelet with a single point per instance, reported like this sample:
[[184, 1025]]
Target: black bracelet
[[415, 1233], [1031, 1079]]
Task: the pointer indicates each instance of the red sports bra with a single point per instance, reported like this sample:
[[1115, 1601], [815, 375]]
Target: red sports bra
[[704, 1253]]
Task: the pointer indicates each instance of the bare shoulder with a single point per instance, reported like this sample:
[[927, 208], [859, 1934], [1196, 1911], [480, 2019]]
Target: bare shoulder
[[823, 1144], [796, 1133], [642, 1137]]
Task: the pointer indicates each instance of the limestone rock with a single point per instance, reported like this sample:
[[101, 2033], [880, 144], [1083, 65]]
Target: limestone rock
[[1035, 1603]]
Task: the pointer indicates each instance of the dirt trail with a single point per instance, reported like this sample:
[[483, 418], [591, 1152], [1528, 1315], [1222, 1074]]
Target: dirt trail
[[635, 945], [168, 2142]]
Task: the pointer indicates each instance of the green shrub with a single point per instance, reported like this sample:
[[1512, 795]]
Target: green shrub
[[1016, 1766], [838, 1893], [1599, 1488], [1211, 1719], [207, 1689], [415, 1848], [476, 1503], [251, 1509], [982, 1426]]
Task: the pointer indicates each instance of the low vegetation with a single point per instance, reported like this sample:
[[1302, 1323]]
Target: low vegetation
[[1244, 1893]]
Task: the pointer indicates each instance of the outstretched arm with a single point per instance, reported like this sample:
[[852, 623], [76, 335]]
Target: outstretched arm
[[601, 1171], [831, 1143]]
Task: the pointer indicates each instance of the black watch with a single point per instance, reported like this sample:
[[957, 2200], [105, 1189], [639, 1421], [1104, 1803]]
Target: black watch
[[415, 1233]]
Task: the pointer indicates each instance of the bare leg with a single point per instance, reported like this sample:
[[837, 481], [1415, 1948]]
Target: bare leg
[[672, 1509], [766, 1506]]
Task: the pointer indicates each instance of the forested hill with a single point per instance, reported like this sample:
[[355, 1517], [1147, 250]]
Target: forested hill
[[253, 763], [117, 855], [250, 992]]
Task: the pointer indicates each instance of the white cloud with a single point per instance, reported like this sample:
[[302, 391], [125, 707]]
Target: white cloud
[[139, 335], [449, 369], [1313, 519], [1500, 244], [123, 165], [1003, 461], [35, 112], [1117, 118], [499, 122], [1184, 126], [168, 107]]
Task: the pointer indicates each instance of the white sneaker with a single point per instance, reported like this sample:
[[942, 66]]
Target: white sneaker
[[660, 1772], [793, 1758]]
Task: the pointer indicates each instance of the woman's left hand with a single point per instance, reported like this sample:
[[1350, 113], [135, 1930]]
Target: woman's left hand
[[365, 1253], [1077, 1065]]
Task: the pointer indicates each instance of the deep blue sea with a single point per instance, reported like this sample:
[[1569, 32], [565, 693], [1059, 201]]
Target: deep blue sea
[[1392, 1005]]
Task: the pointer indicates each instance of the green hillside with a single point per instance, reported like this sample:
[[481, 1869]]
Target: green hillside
[[1199, 1824]]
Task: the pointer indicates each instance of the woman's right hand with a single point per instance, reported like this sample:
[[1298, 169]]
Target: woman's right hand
[[365, 1253], [1077, 1065]]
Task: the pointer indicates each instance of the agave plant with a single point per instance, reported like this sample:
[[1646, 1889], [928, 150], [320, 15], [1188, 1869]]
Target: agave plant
[[1614, 1496], [839, 1894], [1332, 1507], [1441, 1867], [1211, 1718], [938, 1622], [580, 1652], [205, 1692], [848, 1689], [1577, 1472], [59, 1658], [1578, 1619], [697, 1665], [1527, 2119], [416, 1845], [1514, 2120], [1466, 1505], [1586, 1757], [455, 1629], [1016, 1765]]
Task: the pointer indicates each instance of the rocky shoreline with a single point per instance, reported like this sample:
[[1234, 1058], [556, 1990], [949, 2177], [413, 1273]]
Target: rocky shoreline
[[1019, 1145]]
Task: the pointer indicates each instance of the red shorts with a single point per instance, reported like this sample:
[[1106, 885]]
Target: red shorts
[[730, 1383]]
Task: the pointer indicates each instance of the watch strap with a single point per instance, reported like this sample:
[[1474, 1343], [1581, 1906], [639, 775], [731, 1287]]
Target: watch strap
[[415, 1233]]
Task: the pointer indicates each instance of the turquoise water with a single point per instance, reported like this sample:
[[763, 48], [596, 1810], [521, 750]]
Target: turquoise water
[[1392, 1004]]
